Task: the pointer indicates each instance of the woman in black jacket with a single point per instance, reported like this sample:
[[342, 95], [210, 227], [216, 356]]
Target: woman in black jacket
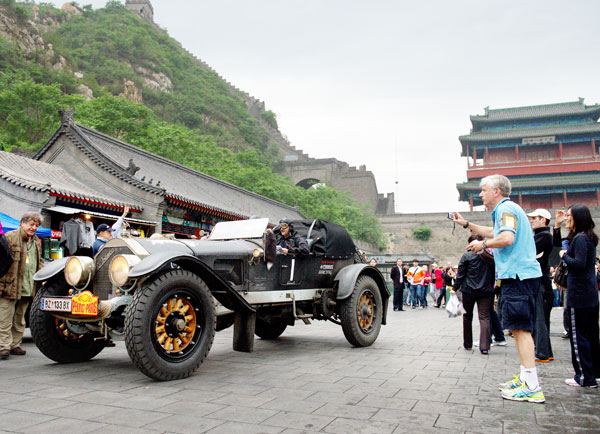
[[475, 279], [582, 296]]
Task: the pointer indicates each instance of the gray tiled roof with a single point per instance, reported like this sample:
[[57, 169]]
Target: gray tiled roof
[[540, 181], [40, 176], [536, 111], [181, 182], [517, 133]]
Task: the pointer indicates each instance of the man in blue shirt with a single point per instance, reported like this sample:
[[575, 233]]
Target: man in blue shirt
[[104, 232], [519, 273]]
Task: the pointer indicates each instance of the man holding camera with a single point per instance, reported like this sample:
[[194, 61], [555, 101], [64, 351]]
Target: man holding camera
[[519, 273]]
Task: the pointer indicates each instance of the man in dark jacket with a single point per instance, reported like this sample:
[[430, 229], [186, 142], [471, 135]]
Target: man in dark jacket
[[475, 279], [539, 220], [17, 286], [398, 278], [290, 242]]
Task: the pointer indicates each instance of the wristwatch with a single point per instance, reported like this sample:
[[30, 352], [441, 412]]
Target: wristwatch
[[484, 245]]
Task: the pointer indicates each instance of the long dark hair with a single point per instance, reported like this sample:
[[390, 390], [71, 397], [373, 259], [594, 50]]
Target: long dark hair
[[474, 237], [583, 222]]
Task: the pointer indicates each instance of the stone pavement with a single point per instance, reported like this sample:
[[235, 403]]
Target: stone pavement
[[415, 378]]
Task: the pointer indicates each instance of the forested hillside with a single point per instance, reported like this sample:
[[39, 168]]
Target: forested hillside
[[128, 78]]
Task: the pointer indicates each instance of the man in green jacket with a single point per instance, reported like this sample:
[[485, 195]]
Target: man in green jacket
[[17, 287]]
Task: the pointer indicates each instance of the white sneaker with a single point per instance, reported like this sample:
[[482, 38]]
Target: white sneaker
[[499, 344], [572, 382]]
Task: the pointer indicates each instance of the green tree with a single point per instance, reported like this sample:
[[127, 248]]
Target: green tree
[[115, 116], [29, 112]]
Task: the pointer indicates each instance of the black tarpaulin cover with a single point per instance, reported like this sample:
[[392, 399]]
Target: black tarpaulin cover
[[330, 240]]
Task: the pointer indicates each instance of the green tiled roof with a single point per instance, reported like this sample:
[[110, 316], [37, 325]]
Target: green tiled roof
[[540, 181], [517, 133], [536, 111]]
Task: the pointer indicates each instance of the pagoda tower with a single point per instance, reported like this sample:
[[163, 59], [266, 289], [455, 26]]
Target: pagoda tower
[[549, 152]]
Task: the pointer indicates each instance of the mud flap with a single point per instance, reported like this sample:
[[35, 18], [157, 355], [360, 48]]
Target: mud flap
[[244, 323]]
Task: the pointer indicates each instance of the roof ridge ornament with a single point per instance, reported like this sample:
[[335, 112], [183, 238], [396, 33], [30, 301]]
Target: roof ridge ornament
[[132, 168], [67, 116]]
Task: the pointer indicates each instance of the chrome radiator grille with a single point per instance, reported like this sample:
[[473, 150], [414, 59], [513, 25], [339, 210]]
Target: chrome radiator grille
[[102, 286]]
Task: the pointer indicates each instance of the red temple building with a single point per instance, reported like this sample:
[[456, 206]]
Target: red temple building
[[549, 152]]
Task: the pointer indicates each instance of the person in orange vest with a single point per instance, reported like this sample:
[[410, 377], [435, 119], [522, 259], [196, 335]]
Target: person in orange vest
[[416, 278]]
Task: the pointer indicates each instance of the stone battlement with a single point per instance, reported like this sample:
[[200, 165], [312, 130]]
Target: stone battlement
[[142, 8]]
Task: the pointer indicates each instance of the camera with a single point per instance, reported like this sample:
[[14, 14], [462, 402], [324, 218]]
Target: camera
[[450, 216]]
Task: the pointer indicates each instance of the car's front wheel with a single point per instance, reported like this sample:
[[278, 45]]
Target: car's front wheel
[[58, 339], [361, 313], [170, 325]]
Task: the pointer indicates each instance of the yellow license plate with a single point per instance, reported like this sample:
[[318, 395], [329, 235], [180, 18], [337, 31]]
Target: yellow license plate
[[84, 304]]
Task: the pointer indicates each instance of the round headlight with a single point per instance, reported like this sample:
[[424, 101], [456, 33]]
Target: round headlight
[[256, 253], [79, 270], [118, 270]]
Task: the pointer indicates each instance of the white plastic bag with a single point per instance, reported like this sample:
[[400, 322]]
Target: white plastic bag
[[454, 307]]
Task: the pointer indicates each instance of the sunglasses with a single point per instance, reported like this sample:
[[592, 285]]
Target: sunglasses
[[284, 226]]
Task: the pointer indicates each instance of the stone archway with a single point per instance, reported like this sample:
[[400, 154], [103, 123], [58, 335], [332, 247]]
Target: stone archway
[[307, 183]]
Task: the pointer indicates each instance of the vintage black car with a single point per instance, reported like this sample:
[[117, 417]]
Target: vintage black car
[[166, 298]]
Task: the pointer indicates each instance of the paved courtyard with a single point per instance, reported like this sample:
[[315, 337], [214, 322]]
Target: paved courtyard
[[416, 378]]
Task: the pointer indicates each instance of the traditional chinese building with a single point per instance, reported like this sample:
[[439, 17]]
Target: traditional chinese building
[[168, 196], [549, 152]]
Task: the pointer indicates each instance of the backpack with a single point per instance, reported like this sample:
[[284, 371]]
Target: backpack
[[6, 258]]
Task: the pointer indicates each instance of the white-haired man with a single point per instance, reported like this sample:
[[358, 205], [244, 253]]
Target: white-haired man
[[519, 273]]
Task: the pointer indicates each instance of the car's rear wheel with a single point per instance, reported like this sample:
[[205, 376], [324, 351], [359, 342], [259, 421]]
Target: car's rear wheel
[[170, 325], [361, 313], [269, 330], [58, 339]]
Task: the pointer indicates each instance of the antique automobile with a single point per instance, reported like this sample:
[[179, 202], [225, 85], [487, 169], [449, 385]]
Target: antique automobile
[[167, 298]]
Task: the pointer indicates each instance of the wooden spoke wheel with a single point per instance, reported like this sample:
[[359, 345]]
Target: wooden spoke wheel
[[361, 314], [175, 324], [366, 311], [71, 332], [58, 339], [170, 325]]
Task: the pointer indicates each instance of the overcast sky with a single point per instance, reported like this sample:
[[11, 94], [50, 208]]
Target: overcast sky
[[391, 84]]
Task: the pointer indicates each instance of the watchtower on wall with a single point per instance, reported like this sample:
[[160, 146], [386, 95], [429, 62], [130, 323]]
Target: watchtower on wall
[[142, 8]]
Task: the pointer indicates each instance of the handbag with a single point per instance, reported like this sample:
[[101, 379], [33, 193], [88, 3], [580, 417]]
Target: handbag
[[560, 274], [454, 307]]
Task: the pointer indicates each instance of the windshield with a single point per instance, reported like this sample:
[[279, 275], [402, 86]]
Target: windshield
[[239, 229]]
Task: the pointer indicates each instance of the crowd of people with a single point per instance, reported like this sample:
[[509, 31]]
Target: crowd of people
[[412, 285], [505, 272]]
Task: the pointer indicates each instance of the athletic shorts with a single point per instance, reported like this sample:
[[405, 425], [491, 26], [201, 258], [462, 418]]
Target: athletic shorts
[[518, 303]]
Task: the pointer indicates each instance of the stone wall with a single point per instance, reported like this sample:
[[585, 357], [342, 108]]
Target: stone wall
[[443, 245], [357, 181], [142, 8]]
